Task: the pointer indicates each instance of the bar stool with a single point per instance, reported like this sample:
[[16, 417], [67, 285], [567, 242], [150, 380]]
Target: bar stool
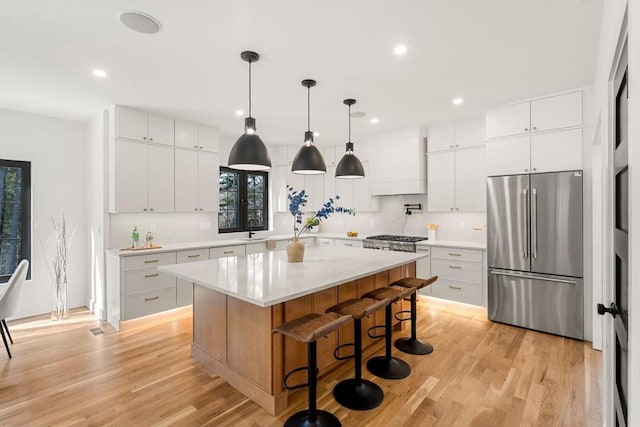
[[412, 345], [308, 329], [357, 393], [387, 366]]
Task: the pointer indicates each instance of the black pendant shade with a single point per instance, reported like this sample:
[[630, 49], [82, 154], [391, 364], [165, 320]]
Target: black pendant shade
[[308, 160], [249, 152], [349, 166]]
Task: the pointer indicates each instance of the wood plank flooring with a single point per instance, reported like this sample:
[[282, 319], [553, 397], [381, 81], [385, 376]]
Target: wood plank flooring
[[480, 374]]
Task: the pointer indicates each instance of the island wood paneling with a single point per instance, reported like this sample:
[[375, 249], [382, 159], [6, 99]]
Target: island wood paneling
[[211, 335]]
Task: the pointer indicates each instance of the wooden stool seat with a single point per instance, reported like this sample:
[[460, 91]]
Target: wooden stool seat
[[414, 282], [359, 308], [312, 326], [357, 393], [411, 344], [308, 329], [389, 293]]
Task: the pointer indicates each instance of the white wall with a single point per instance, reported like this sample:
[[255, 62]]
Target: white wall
[[56, 150]]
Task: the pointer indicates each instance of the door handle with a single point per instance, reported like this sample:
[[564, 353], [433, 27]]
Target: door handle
[[534, 223], [531, 276], [612, 310], [525, 220]]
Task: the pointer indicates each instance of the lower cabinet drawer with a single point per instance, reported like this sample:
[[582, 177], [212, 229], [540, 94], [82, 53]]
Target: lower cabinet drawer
[[348, 243], [145, 303], [146, 280], [457, 270], [457, 254], [226, 251], [467, 293]]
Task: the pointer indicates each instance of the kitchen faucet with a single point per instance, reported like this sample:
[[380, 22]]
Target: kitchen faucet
[[251, 233]]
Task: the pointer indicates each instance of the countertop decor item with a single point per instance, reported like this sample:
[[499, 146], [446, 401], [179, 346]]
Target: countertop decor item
[[297, 200], [308, 160], [58, 267], [249, 152], [350, 166], [431, 231]]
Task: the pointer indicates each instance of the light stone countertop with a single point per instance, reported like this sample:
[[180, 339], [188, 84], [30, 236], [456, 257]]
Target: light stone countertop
[[265, 279]]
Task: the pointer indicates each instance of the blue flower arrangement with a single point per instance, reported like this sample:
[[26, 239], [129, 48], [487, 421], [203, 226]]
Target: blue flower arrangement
[[297, 200]]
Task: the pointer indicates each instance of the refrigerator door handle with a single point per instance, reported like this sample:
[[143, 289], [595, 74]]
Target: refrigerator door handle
[[531, 276], [534, 223], [525, 225]]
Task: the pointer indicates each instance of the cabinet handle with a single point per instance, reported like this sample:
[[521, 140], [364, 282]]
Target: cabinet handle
[[200, 208], [193, 256], [526, 129], [150, 139], [457, 267], [195, 146], [348, 244], [451, 146], [228, 252], [422, 250], [535, 128], [457, 145], [534, 169], [151, 299], [454, 254], [457, 288], [149, 261], [457, 209], [144, 137], [526, 170], [195, 209], [145, 209], [450, 209], [151, 275], [201, 147]]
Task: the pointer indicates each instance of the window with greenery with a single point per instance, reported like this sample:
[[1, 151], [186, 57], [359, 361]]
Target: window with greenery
[[15, 216], [243, 201]]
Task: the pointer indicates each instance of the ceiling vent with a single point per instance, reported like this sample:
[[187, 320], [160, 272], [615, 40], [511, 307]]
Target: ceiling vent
[[141, 22]]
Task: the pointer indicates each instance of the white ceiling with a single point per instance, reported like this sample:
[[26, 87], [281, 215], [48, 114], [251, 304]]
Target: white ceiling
[[488, 52]]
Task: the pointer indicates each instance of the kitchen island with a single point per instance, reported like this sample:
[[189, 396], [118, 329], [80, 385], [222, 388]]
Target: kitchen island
[[238, 300]]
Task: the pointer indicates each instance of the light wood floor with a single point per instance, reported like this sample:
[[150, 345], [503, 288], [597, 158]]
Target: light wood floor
[[481, 374]]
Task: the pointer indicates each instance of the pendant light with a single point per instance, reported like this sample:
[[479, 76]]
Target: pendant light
[[308, 160], [350, 166], [249, 152]]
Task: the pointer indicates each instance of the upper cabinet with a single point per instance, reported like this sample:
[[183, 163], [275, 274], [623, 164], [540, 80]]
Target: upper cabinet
[[397, 163], [463, 134], [142, 126], [539, 115], [197, 137]]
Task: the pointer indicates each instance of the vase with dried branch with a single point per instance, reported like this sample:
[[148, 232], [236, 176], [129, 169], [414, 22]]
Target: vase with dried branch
[[58, 267]]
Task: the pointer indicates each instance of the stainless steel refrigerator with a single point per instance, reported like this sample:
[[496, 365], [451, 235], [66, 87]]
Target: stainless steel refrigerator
[[534, 251]]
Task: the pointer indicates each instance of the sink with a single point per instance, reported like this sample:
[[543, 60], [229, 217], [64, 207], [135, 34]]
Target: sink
[[252, 239]]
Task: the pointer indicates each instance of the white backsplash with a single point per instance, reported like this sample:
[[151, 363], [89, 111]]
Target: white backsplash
[[391, 219]]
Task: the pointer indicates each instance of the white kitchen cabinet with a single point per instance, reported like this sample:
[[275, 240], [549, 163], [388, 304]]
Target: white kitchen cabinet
[[556, 151], [470, 132], [184, 289], [209, 138], [350, 243], [397, 163], [509, 156], [556, 112], [227, 251], [186, 134], [142, 126], [144, 177], [441, 175], [329, 178], [538, 153], [470, 180], [544, 114], [441, 137], [423, 267], [323, 241], [160, 184], [197, 179], [457, 180], [460, 275]]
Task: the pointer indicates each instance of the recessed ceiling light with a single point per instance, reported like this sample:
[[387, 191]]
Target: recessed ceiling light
[[141, 22], [400, 49], [100, 73], [239, 113], [316, 134], [374, 121], [458, 101]]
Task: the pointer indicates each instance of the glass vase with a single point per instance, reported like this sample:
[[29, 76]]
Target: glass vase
[[60, 308]]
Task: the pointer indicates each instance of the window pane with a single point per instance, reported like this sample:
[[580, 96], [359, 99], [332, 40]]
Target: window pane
[[228, 217], [14, 178], [243, 200]]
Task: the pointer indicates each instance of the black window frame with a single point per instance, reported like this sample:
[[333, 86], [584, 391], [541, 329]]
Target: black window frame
[[243, 217], [25, 232]]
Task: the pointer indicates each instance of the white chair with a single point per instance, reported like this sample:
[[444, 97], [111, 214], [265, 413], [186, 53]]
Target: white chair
[[9, 301]]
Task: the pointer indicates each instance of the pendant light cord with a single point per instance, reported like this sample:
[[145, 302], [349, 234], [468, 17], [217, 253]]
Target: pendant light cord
[[308, 108], [349, 123], [249, 88]]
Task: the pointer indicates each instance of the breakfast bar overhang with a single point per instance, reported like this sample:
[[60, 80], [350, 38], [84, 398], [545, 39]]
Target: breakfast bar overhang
[[238, 300]]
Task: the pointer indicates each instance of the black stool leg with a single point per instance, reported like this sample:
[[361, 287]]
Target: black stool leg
[[411, 345], [5, 341], [356, 393], [312, 416], [387, 366], [6, 328]]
